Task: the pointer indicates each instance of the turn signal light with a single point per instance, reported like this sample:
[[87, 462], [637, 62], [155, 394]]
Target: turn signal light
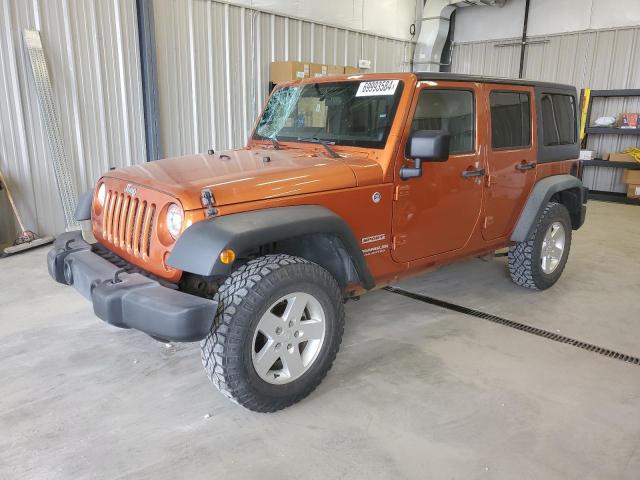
[[227, 256]]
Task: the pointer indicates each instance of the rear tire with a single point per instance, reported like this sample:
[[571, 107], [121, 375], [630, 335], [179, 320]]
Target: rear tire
[[276, 334], [539, 262]]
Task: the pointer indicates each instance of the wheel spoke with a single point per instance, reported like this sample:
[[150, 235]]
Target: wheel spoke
[[295, 307], [557, 252], [294, 318], [265, 358], [552, 247], [311, 330], [268, 324], [292, 362]]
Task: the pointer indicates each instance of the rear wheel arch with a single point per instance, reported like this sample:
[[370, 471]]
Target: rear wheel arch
[[571, 198], [564, 189]]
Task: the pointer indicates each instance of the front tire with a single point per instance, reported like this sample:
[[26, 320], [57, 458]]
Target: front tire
[[276, 334], [539, 262]]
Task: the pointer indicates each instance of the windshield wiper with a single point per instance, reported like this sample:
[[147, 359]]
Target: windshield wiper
[[324, 143]]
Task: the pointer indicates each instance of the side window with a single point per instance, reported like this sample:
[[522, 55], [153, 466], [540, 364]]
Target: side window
[[510, 119], [558, 119], [450, 111]]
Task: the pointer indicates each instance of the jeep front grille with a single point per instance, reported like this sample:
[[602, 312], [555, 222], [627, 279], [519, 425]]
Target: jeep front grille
[[127, 223]]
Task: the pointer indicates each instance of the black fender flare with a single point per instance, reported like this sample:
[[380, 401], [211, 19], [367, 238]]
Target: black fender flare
[[542, 192], [83, 209], [198, 249]]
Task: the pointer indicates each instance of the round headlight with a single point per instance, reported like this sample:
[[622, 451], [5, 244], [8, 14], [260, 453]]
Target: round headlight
[[175, 216], [102, 194]]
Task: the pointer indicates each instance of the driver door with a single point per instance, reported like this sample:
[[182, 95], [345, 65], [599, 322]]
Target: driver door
[[438, 212]]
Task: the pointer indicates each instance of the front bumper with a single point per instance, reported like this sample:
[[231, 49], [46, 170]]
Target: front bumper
[[129, 300]]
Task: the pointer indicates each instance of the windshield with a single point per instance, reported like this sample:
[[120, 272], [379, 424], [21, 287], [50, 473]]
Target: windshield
[[344, 113]]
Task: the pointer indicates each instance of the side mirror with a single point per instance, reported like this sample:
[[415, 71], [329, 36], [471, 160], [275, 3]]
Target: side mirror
[[425, 146]]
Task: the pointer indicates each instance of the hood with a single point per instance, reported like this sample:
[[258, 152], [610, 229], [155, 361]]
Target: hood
[[242, 175]]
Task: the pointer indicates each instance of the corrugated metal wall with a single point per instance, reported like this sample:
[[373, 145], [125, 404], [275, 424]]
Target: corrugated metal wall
[[602, 59], [213, 66], [92, 52]]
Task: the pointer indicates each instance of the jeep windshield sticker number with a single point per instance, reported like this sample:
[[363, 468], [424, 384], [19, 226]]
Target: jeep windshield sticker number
[[377, 87]]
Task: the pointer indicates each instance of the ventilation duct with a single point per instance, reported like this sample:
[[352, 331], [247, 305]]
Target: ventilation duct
[[434, 28]]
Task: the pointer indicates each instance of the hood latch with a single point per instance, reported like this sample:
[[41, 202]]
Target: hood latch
[[207, 200]]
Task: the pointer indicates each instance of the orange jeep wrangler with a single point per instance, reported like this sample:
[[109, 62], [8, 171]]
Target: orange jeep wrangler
[[348, 183]]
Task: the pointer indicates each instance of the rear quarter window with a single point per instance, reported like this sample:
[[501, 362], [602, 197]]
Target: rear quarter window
[[558, 119]]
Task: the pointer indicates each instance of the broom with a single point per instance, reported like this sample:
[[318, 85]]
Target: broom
[[26, 239]]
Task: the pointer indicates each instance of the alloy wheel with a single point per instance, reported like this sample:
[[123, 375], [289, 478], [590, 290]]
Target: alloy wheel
[[288, 338], [552, 247]]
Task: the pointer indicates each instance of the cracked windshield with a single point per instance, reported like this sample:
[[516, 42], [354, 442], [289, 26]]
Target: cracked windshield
[[340, 113]]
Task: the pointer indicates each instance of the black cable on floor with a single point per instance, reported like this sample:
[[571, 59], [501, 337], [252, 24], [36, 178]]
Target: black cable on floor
[[517, 325]]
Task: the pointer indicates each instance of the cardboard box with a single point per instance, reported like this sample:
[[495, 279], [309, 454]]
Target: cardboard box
[[318, 70], [631, 177], [287, 71], [633, 191], [351, 70], [586, 155], [322, 70], [618, 157], [312, 112]]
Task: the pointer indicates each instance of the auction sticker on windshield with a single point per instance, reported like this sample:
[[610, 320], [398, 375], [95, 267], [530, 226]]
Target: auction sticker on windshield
[[377, 87]]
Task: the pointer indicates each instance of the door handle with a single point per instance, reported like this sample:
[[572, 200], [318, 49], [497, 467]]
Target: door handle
[[526, 166], [479, 172]]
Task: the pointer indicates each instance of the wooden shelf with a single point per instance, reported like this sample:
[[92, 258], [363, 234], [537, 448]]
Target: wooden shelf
[[613, 130], [623, 92], [598, 162], [612, 197]]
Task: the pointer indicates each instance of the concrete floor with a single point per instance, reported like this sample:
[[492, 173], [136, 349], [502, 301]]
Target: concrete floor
[[416, 391]]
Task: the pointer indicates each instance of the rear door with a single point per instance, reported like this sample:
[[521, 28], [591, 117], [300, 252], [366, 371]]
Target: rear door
[[511, 156], [437, 212]]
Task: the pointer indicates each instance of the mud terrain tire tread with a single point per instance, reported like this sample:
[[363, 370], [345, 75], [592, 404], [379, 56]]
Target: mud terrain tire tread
[[524, 257], [243, 292]]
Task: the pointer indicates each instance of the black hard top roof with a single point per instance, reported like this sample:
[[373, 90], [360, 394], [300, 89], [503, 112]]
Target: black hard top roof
[[459, 77]]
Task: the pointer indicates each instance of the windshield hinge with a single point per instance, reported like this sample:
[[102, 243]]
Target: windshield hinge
[[398, 241], [400, 191]]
